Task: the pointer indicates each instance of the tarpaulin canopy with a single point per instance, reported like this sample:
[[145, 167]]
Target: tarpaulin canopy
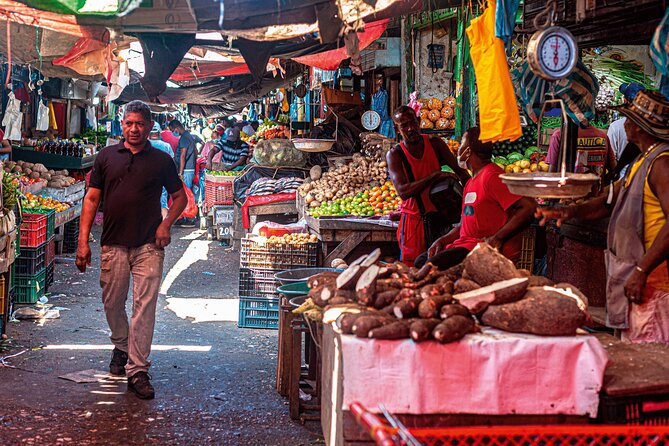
[[330, 60], [97, 7]]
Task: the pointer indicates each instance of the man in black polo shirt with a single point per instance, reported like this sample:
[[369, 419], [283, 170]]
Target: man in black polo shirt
[[130, 177]]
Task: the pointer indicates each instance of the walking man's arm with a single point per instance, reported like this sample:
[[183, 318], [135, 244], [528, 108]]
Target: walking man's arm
[[88, 211]]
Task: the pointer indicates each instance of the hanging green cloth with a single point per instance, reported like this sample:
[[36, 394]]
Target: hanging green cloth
[[85, 7]]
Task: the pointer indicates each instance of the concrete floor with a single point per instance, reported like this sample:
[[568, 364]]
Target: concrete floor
[[214, 382]]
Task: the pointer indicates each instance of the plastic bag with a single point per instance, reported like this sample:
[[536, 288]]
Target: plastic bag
[[270, 228], [278, 153], [191, 207]]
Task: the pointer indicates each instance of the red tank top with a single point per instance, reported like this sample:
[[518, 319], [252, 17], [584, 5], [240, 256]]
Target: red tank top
[[421, 168]]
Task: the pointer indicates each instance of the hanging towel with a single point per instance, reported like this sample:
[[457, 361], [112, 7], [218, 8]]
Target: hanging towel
[[52, 117], [498, 112], [505, 19], [13, 118], [42, 116]]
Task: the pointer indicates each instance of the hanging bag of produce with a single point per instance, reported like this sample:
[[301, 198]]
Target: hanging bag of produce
[[498, 111]]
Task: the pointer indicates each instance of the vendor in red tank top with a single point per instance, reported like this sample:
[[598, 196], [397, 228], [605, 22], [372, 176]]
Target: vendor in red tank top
[[414, 166]]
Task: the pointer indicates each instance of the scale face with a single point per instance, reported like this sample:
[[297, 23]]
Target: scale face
[[552, 53], [371, 120]]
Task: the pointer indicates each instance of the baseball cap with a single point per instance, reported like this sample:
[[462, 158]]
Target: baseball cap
[[630, 90]]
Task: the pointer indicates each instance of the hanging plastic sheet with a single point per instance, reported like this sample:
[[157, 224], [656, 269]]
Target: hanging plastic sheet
[[88, 57], [13, 118], [578, 91], [110, 8], [498, 111], [380, 105], [659, 52], [505, 19], [42, 116]]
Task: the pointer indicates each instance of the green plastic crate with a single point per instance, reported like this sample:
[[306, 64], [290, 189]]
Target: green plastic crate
[[29, 288], [258, 312], [50, 222]]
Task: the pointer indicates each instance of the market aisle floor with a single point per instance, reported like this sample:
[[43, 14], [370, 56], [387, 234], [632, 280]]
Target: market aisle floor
[[214, 382]]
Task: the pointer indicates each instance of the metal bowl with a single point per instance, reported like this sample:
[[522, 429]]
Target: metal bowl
[[550, 185], [313, 145], [297, 301], [300, 275]]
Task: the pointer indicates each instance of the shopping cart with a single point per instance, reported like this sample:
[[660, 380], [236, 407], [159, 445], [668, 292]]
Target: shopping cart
[[387, 430]]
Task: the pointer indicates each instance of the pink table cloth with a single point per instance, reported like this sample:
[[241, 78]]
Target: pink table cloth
[[493, 373]]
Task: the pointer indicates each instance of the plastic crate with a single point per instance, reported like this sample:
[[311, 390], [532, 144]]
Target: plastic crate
[[645, 409], [29, 288], [50, 250], [51, 219], [17, 243], [49, 276], [72, 227], [528, 242], [31, 260], [278, 256], [33, 230], [258, 282], [258, 312], [217, 193]]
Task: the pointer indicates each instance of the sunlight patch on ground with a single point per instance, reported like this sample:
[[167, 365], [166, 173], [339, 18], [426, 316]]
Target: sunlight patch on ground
[[154, 347], [205, 310], [196, 251], [196, 234]]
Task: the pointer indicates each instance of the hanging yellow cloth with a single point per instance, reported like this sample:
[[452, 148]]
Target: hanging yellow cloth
[[498, 111], [52, 117]]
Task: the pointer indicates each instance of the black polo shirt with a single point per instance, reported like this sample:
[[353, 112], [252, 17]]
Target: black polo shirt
[[131, 186]]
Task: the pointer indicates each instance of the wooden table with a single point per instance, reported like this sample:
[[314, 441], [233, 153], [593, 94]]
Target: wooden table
[[340, 237]]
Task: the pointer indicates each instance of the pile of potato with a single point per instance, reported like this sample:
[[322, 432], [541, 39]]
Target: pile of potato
[[343, 180], [437, 114], [393, 301], [54, 178], [293, 239]]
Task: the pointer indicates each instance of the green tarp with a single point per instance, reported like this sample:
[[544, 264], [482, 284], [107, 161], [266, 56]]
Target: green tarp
[[86, 7]]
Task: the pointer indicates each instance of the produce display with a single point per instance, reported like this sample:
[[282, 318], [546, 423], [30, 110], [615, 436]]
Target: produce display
[[268, 186], [224, 173], [10, 192], [377, 201], [437, 114], [32, 201], [375, 145], [268, 129], [345, 180], [278, 153], [293, 239], [393, 301], [53, 178], [521, 155], [453, 145]]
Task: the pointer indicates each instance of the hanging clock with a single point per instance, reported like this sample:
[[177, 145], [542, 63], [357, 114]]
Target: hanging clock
[[371, 120], [552, 53]]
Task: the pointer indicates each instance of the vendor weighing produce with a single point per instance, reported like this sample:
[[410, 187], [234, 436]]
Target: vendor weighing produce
[[637, 291], [415, 166]]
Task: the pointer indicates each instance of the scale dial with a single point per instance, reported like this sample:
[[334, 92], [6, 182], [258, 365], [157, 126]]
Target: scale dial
[[371, 120], [552, 53]]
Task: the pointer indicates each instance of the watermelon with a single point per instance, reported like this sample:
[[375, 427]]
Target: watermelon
[[530, 151], [501, 160], [514, 156]]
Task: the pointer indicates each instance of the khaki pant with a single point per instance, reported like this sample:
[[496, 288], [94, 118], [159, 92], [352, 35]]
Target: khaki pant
[[145, 264], [649, 321]]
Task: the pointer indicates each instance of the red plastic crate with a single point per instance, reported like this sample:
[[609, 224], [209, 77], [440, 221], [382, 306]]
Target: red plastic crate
[[50, 250], [33, 230], [217, 193]]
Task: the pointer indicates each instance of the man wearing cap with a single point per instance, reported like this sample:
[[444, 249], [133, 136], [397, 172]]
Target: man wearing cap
[[158, 143], [637, 291], [616, 132]]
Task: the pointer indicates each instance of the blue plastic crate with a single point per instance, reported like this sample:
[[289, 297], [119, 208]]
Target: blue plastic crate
[[258, 312]]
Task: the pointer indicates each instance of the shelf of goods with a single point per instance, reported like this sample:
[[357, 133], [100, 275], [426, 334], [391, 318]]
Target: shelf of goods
[[260, 260], [52, 160]]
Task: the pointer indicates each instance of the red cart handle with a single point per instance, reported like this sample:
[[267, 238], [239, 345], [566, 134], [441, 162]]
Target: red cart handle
[[381, 433]]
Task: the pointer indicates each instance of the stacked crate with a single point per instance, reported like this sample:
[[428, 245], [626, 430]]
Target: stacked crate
[[259, 262], [30, 267], [71, 236]]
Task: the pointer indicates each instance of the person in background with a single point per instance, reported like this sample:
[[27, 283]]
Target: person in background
[[130, 176], [186, 155], [637, 291], [209, 128], [233, 153], [248, 129], [616, 132], [414, 166], [593, 153], [169, 137], [202, 162], [5, 147], [154, 139], [490, 212]]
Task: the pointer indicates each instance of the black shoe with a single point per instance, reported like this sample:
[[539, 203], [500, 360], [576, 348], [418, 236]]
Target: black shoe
[[118, 362], [140, 385]]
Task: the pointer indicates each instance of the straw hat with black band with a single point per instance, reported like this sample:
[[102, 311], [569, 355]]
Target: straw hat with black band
[[650, 111]]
